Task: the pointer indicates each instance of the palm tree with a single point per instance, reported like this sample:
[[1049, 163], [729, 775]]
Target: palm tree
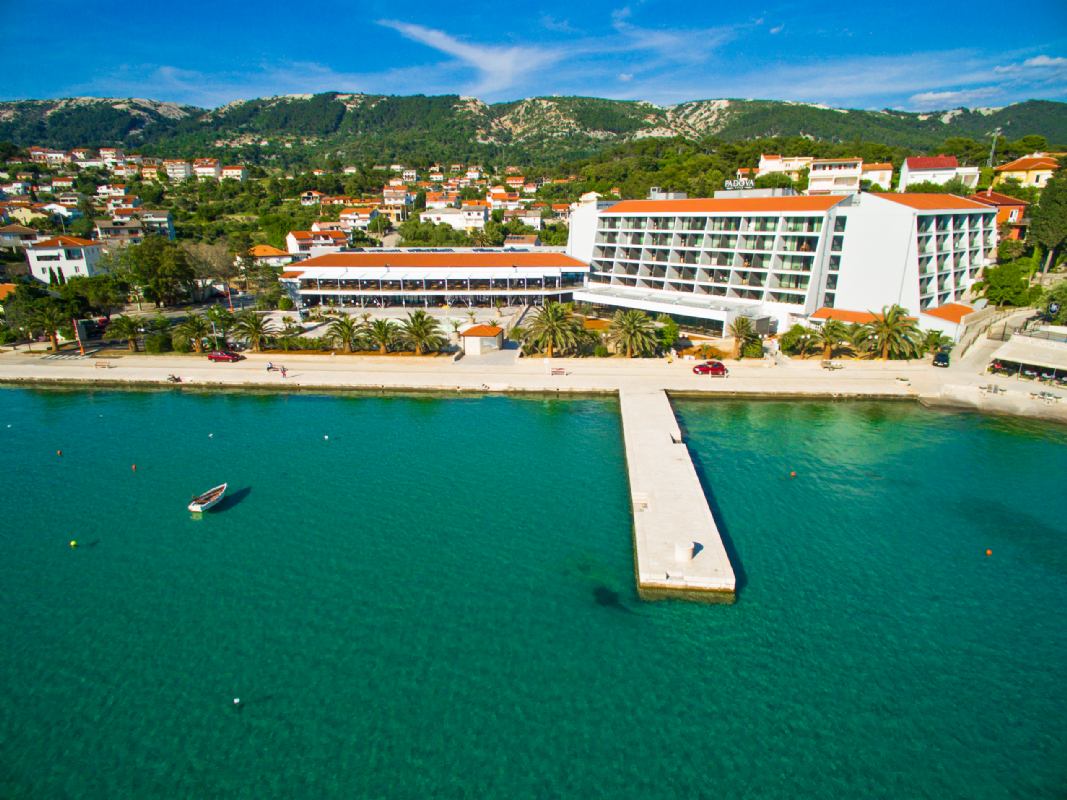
[[195, 329], [124, 327], [345, 330], [253, 328], [383, 332], [48, 318], [422, 332], [934, 340], [893, 333], [743, 332], [634, 331], [829, 337], [554, 327]]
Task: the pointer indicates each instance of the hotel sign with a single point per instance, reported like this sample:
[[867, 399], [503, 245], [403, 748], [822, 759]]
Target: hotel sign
[[740, 183]]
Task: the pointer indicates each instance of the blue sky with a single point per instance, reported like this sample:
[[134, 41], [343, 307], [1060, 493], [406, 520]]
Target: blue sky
[[905, 54]]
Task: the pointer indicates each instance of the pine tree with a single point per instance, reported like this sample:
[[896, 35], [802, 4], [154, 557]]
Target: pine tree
[[1048, 220]]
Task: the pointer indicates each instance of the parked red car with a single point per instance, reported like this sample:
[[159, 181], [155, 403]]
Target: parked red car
[[715, 369], [223, 355]]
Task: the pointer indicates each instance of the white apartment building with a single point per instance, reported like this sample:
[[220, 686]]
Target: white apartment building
[[835, 176], [66, 256], [793, 166], [234, 173], [880, 174], [935, 169], [778, 260], [313, 243], [207, 169], [178, 170]]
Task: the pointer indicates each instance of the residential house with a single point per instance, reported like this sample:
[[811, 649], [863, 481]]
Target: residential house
[[207, 169], [235, 173], [111, 155], [935, 169], [561, 211], [1033, 170], [397, 196], [150, 173], [792, 166], [66, 256], [1011, 211], [271, 256], [178, 170], [119, 232], [358, 217], [527, 216], [410, 176], [879, 174], [313, 243], [61, 182], [16, 237], [454, 217], [311, 198], [835, 176]]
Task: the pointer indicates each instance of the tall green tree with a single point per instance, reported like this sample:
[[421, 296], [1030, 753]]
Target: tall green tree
[[253, 328], [422, 332], [893, 334], [1048, 219], [552, 328], [51, 318], [383, 332], [344, 330], [743, 333], [633, 331], [127, 328], [162, 269], [193, 330], [1008, 284], [831, 336]]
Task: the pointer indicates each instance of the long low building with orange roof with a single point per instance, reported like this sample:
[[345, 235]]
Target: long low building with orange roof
[[382, 278], [779, 259]]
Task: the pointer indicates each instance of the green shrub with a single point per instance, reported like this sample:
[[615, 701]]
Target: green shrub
[[600, 351], [8, 336], [753, 349], [157, 343], [285, 303], [181, 344]]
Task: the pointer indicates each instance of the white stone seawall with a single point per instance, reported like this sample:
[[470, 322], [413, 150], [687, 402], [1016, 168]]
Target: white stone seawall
[[678, 550]]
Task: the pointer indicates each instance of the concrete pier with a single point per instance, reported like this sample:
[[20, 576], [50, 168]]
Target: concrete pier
[[678, 549]]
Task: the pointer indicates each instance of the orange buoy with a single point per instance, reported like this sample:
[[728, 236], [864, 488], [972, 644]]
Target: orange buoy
[[792, 474], [59, 452], [134, 468], [989, 552]]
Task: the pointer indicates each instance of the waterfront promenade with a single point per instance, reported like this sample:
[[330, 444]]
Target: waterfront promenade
[[677, 546], [955, 387]]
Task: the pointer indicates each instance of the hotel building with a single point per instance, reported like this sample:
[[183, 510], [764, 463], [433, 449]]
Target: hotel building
[[778, 260], [423, 278]]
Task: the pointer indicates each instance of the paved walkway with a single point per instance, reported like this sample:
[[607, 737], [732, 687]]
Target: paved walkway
[[678, 549]]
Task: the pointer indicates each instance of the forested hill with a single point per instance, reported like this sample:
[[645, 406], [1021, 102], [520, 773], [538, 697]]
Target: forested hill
[[302, 128]]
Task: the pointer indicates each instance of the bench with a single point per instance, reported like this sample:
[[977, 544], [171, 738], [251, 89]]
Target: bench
[[103, 364], [831, 365], [559, 371]]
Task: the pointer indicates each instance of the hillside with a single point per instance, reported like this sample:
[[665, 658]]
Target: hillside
[[301, 128]]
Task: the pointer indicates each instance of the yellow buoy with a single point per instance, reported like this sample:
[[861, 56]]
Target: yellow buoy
[[73, 542]]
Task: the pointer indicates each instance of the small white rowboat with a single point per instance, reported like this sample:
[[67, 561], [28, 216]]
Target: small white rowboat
[[208, 499]]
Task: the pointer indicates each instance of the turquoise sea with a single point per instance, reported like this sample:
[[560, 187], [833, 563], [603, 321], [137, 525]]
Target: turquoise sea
[[407, 608]]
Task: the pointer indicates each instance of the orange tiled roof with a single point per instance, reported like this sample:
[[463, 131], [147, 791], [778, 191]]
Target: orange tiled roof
[[291, 274], [264, 250], [461, 260], [483, 330], [6, 289], [1028, 163], [991, 198], [63, 241], [930, 202], [879, 166], [844, 315], [953, 312], [726, 205]]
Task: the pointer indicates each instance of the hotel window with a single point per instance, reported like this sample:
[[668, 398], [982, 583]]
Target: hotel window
[[839, 224], [837, 243]]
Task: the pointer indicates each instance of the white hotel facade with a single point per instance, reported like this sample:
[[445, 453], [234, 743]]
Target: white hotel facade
[[780, 259]]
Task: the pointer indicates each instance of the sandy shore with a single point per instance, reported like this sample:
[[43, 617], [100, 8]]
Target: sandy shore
[[955, 387]]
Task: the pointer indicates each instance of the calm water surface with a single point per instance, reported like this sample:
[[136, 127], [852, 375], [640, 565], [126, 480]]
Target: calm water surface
[[407, 607]]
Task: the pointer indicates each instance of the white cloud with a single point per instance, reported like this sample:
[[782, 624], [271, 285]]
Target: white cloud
[[548, 22], [499, 68], [927, 101], [625, 77], [1040, 63], [777, 29]]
